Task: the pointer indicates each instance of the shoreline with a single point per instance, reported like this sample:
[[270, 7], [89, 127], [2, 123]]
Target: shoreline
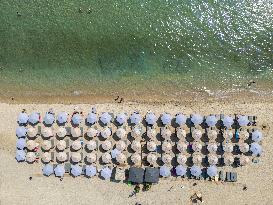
[[79, 97]]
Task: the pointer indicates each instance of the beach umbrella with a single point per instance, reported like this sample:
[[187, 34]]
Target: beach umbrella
[[244, 160], [211, 120], [196, 134], [106, 158], [166, 118], [91, 118], [165, 171], [212, 134], [91, 132], [76, 170], [166, 158], [136, 158], [166, 133], [47, 132], [106, 173], [244, 147], [212, 171], [243, 120], [181, 133], [30, 157], [121, 133], [61, 156], [212, 159], [91, 158], [22, 118], [136, 132], [196, 146], [62, 117], [182, 146], [91, 145], [228, 121], [256, 149], [257, 136], [32, 132], [121, 158], [48, 170], [106, 132], [61, 145], [114, 153], [166, 146], [151, 158], [46, 157], [76, 132], [90, 171], [21, 132], [106, 145], [228, 147], [197, 159], [196, 171], [120, 145], [136, 145], [212, 147], [34, 118], [76, 119], [151, 133], [150, 118], [76, 145], [59, 170], [228, 159], [228, 134], [135, 118], [46, 145], [21, 143], [20, 155], [49, 118], [61, 132], [244, 135], [180, 119], [180, 170], [151, 146], [181, 159], [76, 157], [196, 119], [105, 118], [121, 118], [31, 144]]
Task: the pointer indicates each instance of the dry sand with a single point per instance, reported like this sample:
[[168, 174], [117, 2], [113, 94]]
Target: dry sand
[[16, 188]]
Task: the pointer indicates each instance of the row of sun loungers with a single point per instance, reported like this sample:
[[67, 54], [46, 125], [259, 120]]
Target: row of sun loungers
[[136, 174]]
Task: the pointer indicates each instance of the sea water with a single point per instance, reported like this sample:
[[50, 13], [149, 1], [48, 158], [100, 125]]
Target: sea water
[[161, 46]]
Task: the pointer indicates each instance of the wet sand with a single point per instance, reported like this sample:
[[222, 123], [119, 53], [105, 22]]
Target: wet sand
[[16, 188]]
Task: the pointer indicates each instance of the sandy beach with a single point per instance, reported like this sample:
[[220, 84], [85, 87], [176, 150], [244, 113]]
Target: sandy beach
[[16, 188]]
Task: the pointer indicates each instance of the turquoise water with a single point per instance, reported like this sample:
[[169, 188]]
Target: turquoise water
[[62, 46]]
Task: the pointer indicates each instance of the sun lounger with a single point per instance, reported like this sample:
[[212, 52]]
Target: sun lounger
[[233, 176], [68, 130], [52, 143], [228, 177], [39, 132], [67, 167], [119, 174], [83, 169], [52, 156], [222, 176]]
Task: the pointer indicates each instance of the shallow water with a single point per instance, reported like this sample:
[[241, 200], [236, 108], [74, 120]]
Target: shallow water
[[105, 47]]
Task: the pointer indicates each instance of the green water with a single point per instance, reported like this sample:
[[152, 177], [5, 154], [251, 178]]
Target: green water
[[94, 46]]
